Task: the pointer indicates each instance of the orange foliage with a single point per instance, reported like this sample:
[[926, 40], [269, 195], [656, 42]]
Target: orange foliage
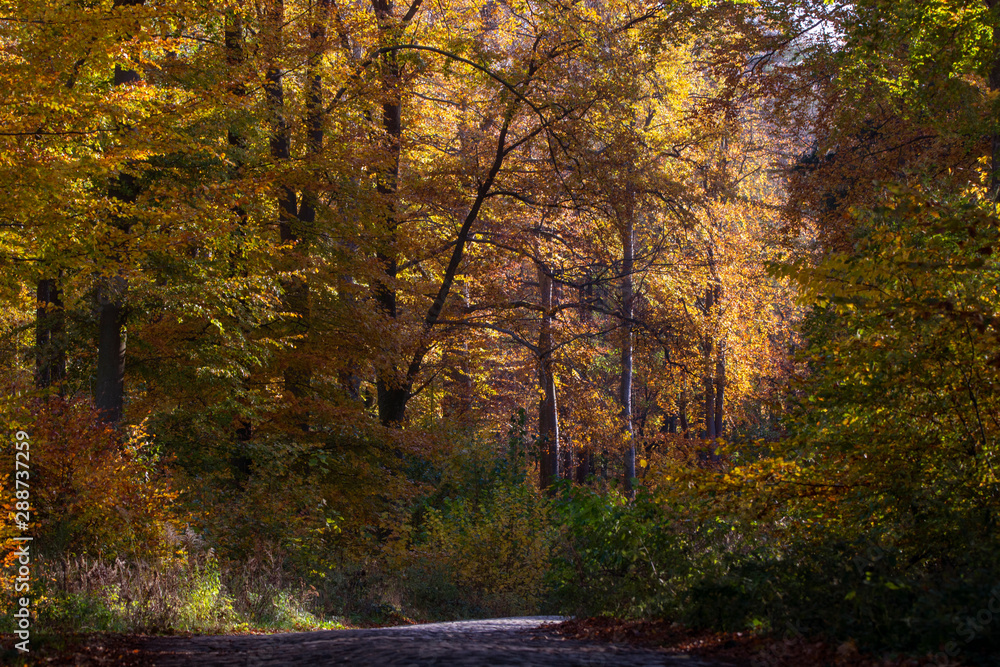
[[93, 490]]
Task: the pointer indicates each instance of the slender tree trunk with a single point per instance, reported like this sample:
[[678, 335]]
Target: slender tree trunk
[[720, 389], [457, 402], [314, 107], [235, 59], [548, 412], [50, 324], [50, 330], [709, 364], [625, 381], [296, 292], [566, 453], [682, 414], [682, 402], [395, 387], [994, 84], [709, 396]]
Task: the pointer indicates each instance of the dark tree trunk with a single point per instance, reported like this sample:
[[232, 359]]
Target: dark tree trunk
[[235, 59], [566, 456], [392, 404], [241, 461], [720, 390], [682, 413], [394, 381], [709, 380], [669, 424], [709, 396], [584, 465], [548, 412], [50, 330], [994, 84], [110, 384], [109, 390], [297, 372], [314, 109], [393, 390]]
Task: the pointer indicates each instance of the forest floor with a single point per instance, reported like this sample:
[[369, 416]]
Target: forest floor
[[542, 641], [734, 648]]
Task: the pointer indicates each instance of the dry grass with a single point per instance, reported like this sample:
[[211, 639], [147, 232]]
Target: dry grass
[[194, 593]]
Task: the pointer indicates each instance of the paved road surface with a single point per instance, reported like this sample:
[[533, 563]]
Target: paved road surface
[[497, 642]]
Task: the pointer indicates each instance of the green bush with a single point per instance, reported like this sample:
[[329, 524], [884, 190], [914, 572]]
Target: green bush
[[614, 556]]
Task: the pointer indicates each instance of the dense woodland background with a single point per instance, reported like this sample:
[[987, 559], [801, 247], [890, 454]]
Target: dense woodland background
[[327, 309]]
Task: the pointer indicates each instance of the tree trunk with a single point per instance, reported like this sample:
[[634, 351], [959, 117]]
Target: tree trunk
[[994, 84], [625, 381], [50, 343], [314, 108], [392, 404], [393, 391], [709, 396], [457, 402], [548, 414], [720, 389], [235, 58], [584, 465], [709, 365], [241, 461], [297, 370], [682, 413], [109, 394], [110, 385], [566, 463]]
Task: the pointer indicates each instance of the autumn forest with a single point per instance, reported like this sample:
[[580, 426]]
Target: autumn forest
[[330, 312]]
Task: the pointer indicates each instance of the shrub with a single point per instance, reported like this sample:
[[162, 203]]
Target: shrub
[[93, 489], [495, 552], [614, 556], [480, 544]]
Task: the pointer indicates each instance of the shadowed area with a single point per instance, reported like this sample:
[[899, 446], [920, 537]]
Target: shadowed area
[[503, 641]]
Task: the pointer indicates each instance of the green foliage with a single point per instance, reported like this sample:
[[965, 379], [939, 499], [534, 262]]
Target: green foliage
[[876, 519], [481, 543], [900, 418], [924, 57], [614, 556]]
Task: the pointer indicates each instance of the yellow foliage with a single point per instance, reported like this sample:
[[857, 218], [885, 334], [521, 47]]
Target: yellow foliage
[[498, 551]]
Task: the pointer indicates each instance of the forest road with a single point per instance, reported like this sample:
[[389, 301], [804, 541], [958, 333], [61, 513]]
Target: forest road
[[495, 642]]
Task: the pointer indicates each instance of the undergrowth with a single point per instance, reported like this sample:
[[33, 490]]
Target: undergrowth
[[193, 593]]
